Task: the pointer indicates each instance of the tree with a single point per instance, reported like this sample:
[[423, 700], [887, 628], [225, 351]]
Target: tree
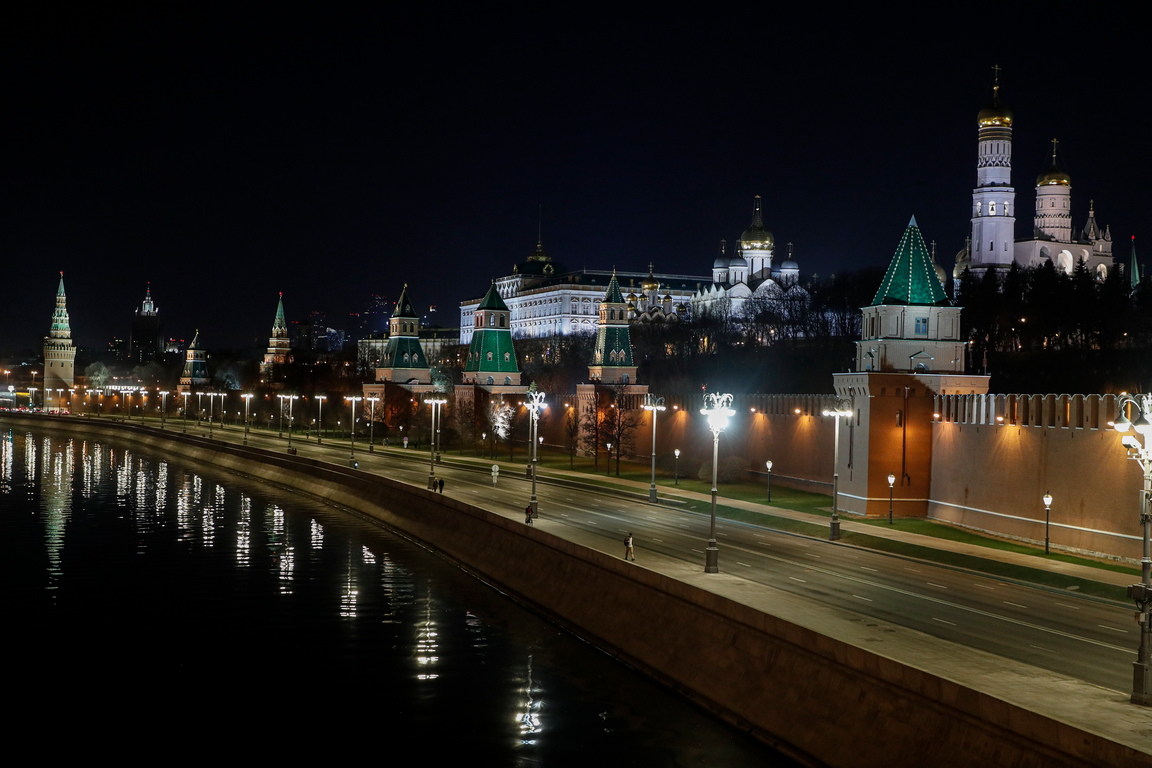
[[571, 436], [98, 375]]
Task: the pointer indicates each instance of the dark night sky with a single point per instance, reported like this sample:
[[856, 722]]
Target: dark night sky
[[331, 154]]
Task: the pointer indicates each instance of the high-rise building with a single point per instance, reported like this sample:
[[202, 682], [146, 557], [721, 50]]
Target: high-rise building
[[147, 341], [59, 351]]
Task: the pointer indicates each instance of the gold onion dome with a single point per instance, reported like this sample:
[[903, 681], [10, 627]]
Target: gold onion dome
[[1053, 176], [995, 114]]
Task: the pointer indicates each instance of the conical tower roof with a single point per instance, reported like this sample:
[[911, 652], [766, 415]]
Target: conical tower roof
[[613, 296], [911, 277], [1134, 268], [404, 305], [493, 301], [279, 324]]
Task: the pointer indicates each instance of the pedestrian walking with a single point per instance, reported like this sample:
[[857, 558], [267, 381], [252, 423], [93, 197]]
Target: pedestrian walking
[[440, 484], [528, 515], [629, 553]]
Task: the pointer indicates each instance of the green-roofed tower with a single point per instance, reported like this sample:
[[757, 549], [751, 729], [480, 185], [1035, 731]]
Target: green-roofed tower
[[279, 349], [491, 355], [404, 361], [59, 351], [612, 361], [910, 325], [911, 276], [195, 373], [1133, 268]]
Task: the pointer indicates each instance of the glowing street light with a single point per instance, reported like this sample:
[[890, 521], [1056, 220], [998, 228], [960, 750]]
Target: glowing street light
[[1047, 499], [1138, 449], [184, 395], [677, 453], [891, 485], [352, 426], [372, 423], [247, 399], [320, 417], [717, 409], [435, 401], [654, 404], [842, 410], [163, 406], [535, 405], [768, 466]]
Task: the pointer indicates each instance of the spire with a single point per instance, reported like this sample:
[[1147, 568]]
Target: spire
[[279, 324], [492, 300], [911, 277], [148, 307], [404, 305], [60, 327], [1133, 267]]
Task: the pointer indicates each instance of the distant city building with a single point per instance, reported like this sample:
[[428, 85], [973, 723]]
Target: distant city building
[[993, 244], [749, 273], [195, 373], [544, 298], [146, 343], [279, 350], [59, 351]]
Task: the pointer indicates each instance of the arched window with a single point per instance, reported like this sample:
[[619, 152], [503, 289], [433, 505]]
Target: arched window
[[489, 357]]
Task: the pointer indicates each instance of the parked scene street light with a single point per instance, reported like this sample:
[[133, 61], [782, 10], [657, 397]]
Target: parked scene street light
[[1047, 515], [435, 402], [1138, 449], [655, 405], [677, 453], [891, 486], [717, 409], [842, 410], [768, 466], [535, 403]]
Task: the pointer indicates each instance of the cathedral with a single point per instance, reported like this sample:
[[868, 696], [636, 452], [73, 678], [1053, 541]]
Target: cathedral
[[1053, 238]]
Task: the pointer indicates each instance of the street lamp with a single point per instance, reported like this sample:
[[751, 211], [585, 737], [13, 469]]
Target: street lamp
[[247, 399], [717, 410], [31, 398], [841, 410], [320, 417], [891, 486], [163, 404], [609, 458], [677, 454], [1141, 593], [435, 402], [768, 466], [352, 426], [184, 395], [654, 404], [1047, 514], [372, 423], [535, 404]]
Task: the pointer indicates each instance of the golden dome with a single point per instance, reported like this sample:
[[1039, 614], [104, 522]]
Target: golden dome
[[1053, 176]]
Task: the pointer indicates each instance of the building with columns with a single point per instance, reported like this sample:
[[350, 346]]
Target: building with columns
[[59, 351]]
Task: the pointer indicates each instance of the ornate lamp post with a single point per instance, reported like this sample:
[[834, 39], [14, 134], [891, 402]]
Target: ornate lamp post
[[435, 402], [609, 472], [841, 410], [1047, 499], [717, 410], [281, 398], [184, 395], [352, 426], [372, 423], [1141, 593], [247, 399], [768, 466], [654, 404], [535, 404], [677, 454], [163, 406]]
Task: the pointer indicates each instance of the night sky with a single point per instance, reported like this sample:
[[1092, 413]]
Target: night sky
[[334, 153]]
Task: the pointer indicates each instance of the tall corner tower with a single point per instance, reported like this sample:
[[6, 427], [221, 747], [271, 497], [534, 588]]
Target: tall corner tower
[[404, 361], [59, 351], [195, 373], [279, 348], [994, 199], [491, 356], [612, 361]]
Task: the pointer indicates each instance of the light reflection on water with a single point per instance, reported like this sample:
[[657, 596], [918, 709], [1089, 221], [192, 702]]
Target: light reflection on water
[[224, 615]]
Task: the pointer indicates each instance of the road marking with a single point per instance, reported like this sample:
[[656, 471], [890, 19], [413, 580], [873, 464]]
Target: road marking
[[658, 541], [866, 568], [861, 597], [764, 543], [1065, 605], [912, 569], [1015, 605], [683, 526], [949, 623], [932, 584], [796, 579], [1046, 650], [1114, 629], [593, 522], [743, 564], [983, 586], [811, 554]]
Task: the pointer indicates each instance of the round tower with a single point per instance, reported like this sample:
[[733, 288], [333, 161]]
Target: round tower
[[993, 199], [1054, 203]]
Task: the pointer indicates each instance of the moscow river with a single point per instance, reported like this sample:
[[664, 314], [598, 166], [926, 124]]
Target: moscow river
[[157, 611]]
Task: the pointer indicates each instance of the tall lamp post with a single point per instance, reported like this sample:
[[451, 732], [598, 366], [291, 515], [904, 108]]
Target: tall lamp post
[[247, 399], [184, 395], [840, 411], [1141, 593], [535, 403], [320, 417], [352, 427], [677, 454], [372, 423], [435, 402], [717, 410], [891, 486], [654, 404], [768, 466], [163, 406], [1047, 499]]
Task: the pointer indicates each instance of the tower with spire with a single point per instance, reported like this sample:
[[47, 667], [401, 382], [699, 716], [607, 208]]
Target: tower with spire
[[910, 350], [279, 351], [195, 372], [146, 344], [59, 351], [404, 361], [612, 361], [491, 356]]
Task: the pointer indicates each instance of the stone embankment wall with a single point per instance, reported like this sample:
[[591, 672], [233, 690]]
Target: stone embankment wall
[[801, 678]]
